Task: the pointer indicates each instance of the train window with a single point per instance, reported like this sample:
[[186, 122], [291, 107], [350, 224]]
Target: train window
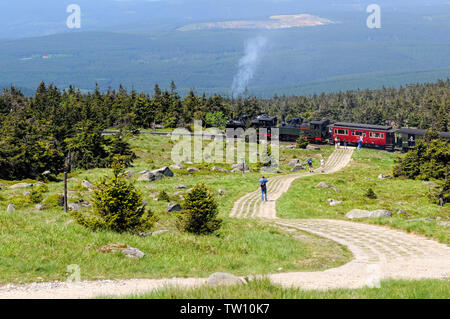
[[358, 133], [376, 135], [341, 132]]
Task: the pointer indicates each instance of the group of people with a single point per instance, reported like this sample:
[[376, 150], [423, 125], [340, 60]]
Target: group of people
[[337, 142], [263, 181]]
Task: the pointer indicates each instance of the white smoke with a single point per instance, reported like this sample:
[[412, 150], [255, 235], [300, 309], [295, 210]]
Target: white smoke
[[248, 64]]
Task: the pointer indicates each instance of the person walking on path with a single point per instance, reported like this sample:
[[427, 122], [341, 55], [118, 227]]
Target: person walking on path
[[322, 165], [310, 163], [263, 182], [360, 142]]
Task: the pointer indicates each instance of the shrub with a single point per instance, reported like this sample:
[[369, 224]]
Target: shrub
[[117, 205], [440, 194], [199, 215], [370, 194], [302, 142], [36, 194], [163, 196]]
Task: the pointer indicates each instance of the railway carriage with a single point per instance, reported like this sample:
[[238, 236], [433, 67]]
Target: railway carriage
[[376, 136]]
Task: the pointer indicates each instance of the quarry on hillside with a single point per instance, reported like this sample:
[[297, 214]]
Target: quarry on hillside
[[274, 22]]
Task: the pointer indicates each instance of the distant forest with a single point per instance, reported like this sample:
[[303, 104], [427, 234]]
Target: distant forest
[[36, 133]]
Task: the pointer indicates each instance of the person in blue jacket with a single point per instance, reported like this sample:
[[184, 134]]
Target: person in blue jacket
[[263, 183], [360, 142]]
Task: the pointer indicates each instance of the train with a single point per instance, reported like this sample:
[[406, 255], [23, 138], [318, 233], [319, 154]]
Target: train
[[319, 131]]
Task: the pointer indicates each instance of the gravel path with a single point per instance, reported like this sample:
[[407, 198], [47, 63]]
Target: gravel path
[[379, 252]]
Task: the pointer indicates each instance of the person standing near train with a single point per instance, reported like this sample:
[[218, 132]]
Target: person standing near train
[[360, 142]]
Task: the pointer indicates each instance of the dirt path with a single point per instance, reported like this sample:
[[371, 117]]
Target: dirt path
[[379, 252]]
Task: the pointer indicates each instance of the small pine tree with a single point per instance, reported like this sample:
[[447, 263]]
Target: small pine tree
[[370, 194], [199, 215], [118, 206], [163, 196], [302, 142]]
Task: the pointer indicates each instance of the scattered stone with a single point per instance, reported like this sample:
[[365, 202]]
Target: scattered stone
[[380, 213], [421, 219], [438, 218], [180, 187], [165, 171], [11, 208], [188, 163], [46, 173], [360, 213], [220, 278], [177, 166], [147, 177], [39, 207], [399, 203], [282, 159], [313, 148], [160, 232], [323, 185], [74, 207], [447, 224], [21, 185], [293, 162], [240, 166], [144, 172], [193, 169], [26, 194], [128, 251], [219, 169], [381, 176], [129, 174], [223, 191], [73, 179], [335, 203], [86, 184], [402, 212], [430, 184], [297, 167], [369, 179], [173, 208], [337, 190]]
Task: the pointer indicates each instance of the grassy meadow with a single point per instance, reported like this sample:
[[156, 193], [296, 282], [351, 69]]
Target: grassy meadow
[[305, 200], [38, 245]]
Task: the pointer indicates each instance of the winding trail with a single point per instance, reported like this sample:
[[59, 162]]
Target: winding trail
[[379, 252]]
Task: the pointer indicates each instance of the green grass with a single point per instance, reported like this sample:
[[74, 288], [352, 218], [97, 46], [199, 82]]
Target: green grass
[[305, 200], [264, 289], [39, 245]]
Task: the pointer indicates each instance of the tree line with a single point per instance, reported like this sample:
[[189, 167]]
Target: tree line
[[36, 133]]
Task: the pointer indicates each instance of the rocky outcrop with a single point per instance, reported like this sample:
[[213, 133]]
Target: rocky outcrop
[[220, 278], [360, 213]]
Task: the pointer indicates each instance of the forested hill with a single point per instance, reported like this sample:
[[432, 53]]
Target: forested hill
[[37, 132]]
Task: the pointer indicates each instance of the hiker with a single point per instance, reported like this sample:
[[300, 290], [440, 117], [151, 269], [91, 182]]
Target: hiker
[[310, 163], [360, 142], [322, 165], [263, 182]]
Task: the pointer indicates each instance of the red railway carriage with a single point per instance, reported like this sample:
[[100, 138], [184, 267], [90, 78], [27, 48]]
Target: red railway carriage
[[373, 135]]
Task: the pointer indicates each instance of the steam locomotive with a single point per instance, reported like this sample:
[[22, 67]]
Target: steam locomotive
[[322, 132]]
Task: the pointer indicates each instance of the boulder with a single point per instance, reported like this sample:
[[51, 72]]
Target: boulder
[[402, 212], [223, 191], [173, 208], [86, 184], [11, 208], [46, 173], [165, 171], [74, 207], [21, 185], [177, 166], [147, 177], [335, 203], [128, 251], [180, 187], [220, 278], [323, 185], [447, 224], [381, 176], [360, 213], [380, 213], [144, 172], [218, 169], [313, 148], [241, 166], [297, 167], [193, 169], [293, 162]]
